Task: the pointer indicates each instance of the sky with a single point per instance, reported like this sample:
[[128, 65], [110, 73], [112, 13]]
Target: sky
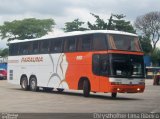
[[67, 10]]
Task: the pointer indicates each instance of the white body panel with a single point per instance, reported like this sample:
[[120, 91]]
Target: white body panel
[[49, 69]]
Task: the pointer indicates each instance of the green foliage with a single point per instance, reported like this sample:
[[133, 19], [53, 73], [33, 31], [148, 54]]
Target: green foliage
[[146, 44], [75, 25], [99, 23], [120, 24], [115, 22], [155, 56], [4, 52], [26, 29]]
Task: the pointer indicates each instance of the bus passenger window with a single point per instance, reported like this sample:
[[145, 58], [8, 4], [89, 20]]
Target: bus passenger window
[[85, 43], [70, 45], [14, 49], [24, 48], [35, 47], [44, 46], [99, 42], [56, 46]]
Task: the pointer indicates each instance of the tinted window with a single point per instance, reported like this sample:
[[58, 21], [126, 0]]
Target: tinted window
[[35, 47], [124, 65], [56, 46], [13, 49], [70, 44], [100, 64], [85, 43], [44, 46], [25, 48], [99, 42], [123, 42]]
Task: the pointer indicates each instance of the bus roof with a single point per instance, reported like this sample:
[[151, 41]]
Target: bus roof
[[76, 33]]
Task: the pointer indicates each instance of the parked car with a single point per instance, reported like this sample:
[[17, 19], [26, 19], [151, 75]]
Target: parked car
[[3, 74]]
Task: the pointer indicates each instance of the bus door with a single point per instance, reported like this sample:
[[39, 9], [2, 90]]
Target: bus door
[[100, 66]]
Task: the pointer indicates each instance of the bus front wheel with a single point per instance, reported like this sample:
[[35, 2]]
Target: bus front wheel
[[33, 84], [24, 83], [86, 88], [114, 95]]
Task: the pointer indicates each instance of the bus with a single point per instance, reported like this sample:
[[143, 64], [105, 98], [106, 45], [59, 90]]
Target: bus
[[104, 61]]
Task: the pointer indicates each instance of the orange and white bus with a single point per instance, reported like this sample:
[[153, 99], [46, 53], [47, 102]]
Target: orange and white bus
[[93, 61]]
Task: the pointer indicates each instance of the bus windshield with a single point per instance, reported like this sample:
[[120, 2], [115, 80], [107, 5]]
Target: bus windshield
[[123, 42], [127, 65]]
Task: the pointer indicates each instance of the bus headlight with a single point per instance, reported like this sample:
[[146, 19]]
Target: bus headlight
[[138, 89], [118, 89]]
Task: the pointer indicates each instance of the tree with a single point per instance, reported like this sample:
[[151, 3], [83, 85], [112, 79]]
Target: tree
[[26, 28], [115, 22], [146, 44], [4, 52], [122, 25], [155, 56], [75, 25], [149, 25], [100, 24]]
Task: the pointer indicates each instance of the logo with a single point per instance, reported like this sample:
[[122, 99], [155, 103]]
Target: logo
[[32, 59]]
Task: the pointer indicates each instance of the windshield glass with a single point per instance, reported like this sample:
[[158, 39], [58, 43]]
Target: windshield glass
[[127, 65], [123, 42]]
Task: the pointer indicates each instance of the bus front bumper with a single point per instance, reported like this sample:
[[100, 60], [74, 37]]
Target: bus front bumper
[[127, 88]]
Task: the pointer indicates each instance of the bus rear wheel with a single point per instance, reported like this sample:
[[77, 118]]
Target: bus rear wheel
[[24, 83], [47, 89], [86, 88], [33, 84], [114, 95]]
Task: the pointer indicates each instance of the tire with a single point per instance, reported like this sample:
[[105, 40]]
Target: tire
[[33, 84], [24, 83], [86, 88], [47, 89], [114, 95], [60, 90]]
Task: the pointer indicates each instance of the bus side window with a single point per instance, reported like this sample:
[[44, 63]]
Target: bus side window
[[13, 49], [22, 49], [44, 46], [56, 46], [70, 44], [100, 64], [35, 47], [99, 42], [85, 43]]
